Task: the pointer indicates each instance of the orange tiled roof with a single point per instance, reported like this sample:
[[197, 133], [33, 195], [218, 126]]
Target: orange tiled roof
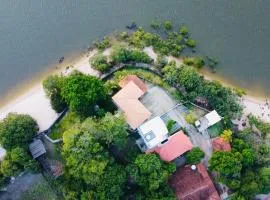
[[177, 144], [193, 185], [127, 99], [219, 144], [135, 80]]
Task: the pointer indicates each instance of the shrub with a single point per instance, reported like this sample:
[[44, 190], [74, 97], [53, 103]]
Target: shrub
[[123, 35], [194, 156], [170, 125], [191, 43], [167, 25], [190, 118], [227, 135], [155, 25], [161, 61], [100, 63], [240, 92], [103, 44], [184, 30], [124, 55], [197, 62]]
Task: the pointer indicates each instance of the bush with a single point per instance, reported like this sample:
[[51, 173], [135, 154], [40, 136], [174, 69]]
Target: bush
[[170, 125], [124, 55], [123, 35], [194, 156], [167, 25], [190, 118], [197, 62], [103, 44], [191, 43], [184, 30], [155, 25], [100, 63], [161, 61]]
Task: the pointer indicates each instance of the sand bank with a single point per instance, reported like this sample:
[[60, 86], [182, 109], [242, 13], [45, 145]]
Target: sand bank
[[35, 103]]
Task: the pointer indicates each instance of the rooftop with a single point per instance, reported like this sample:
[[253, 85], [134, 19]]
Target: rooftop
[[213, 117], [37, 148], [193, 185], [153, 132], [219, 144], [176, 145], [127, 99], [135, 80]]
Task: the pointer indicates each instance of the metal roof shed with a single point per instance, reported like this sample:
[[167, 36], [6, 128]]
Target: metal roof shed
[[213, 118], [37, 148]]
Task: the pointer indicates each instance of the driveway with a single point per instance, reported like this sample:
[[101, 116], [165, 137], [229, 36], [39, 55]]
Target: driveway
[[159, 102]]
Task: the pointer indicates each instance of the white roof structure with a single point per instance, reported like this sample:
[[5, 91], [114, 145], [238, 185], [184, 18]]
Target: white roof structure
[[2, 153], [153, 132], [213, 118]]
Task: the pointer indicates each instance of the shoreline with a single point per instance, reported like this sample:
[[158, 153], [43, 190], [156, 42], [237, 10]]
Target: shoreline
[[254, 104]]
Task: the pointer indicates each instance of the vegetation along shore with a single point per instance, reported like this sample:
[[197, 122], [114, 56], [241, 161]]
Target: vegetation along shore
[[95, 143]]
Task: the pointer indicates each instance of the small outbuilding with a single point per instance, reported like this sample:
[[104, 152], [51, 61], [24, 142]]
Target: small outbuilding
[[208, 120], [37, 148]]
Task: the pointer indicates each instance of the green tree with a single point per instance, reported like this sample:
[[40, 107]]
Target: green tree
[[83, 93], [161, 61], [84, 157], [17, 130], [197, 62], [111, 129], [100, 63], [189, 78], [150, 172], [228, 164], [52, 88], [195, 156]]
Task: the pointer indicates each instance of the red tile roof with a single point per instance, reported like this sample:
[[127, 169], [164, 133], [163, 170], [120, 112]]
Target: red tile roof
[[177, 144], [135, 80], [219, 144], [193, 185]]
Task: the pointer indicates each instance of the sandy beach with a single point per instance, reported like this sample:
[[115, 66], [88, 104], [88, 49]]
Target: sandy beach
[[35, 103]]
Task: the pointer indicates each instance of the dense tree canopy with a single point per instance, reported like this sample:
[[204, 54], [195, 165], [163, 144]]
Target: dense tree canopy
[[52, 88], [195, 155], [227, 164], [150, 173], [82, 93], [17, 130]]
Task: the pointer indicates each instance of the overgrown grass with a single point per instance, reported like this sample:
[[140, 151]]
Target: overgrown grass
[[66, 123]]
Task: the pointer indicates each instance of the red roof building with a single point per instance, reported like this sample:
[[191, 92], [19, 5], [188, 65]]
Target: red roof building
[[191, 184], [176, 145], [219, 144]]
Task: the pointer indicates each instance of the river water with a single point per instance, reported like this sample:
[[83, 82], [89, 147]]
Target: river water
[[35, 33]]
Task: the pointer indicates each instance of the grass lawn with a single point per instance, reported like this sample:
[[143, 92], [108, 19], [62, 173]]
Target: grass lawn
[[215, 130]]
